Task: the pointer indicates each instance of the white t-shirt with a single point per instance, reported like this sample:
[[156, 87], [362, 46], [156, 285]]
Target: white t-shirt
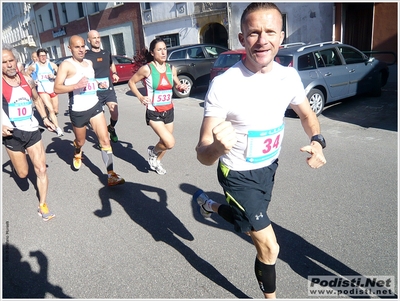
[[255, 104]]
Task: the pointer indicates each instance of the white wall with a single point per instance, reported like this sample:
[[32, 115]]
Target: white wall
[[310, 22], [188, 34]]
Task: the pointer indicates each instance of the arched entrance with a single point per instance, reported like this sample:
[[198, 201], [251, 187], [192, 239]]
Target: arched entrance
[[214, 33]]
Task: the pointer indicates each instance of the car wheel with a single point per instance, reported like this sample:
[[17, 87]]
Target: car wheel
[[377, 89], [188, 82], [317, 101]]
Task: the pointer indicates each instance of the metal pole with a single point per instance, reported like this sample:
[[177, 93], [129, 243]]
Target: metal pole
[[87, 17]]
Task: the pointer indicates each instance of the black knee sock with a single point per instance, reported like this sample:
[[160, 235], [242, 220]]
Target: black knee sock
[[266, 276], [113, 122]]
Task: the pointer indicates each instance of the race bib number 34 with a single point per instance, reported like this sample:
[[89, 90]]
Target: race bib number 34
[[264, 145]]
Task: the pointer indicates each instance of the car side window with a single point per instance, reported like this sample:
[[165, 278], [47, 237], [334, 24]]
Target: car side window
[[196, 53], [212, 51], [319, 59], [329, 57], [306, 62], [351, 56], [122, 60], [178, 55]]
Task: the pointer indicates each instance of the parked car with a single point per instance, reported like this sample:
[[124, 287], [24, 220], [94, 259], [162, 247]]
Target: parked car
[[193, 64], [226, 60], [125, 66], [332, 71], [229, 58], [59, 60]]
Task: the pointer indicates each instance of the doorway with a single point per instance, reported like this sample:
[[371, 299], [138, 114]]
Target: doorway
[[214, 33]]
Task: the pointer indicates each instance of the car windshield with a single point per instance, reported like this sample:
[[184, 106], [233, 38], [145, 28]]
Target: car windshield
[[227, 60], [284, 60]]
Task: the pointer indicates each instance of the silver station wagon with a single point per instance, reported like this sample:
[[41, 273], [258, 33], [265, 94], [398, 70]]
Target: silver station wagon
[[332, 71]]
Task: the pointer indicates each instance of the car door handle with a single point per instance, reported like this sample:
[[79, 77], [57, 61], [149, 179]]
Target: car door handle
[[328, 74], [352, 71], [192, 65]]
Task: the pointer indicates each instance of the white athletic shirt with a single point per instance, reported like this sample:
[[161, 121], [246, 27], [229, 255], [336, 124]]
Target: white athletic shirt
[[43, 74], [255, 104], [85, 98]]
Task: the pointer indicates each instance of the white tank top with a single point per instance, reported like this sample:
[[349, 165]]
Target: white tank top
[[20, 111], [44, 73], [85, 98]]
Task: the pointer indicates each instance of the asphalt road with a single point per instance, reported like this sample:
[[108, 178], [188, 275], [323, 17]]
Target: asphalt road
[[146, 239]]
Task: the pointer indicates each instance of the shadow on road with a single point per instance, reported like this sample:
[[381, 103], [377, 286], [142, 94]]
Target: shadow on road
[[154, 216], [20, 281], [303, 257], [364, 110], [124, 150], [23, 183]]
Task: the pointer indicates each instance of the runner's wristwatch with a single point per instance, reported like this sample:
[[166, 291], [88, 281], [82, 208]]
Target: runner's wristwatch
[[320, 139]]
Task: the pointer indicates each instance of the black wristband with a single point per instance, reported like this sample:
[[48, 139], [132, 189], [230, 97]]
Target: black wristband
[[44, 117], [320, 139]]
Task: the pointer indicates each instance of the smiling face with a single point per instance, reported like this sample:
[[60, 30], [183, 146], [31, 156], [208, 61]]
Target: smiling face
[[261, 36]]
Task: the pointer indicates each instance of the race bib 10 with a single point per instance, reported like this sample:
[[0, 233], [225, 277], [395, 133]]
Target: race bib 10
[[21, 110]]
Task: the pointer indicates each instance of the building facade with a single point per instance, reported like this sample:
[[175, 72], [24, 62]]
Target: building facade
[[119, 25], [182, 23], [126, 28], [310, 22], [19, 28]]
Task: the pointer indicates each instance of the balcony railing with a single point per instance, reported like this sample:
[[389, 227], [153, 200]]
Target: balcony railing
[[28, 41], [203, 7]]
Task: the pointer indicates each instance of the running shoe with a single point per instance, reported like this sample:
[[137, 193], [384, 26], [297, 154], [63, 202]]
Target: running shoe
[[152, 158], [201, 198], [159, 168], [114, 179], [77, 161], [113, 134], [59, 132], [44, 212]]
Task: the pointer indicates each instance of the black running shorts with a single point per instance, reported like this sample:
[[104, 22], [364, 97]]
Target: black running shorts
[[107, 96], [21, 140], [249, 194], [166, 116], [81, 119]]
